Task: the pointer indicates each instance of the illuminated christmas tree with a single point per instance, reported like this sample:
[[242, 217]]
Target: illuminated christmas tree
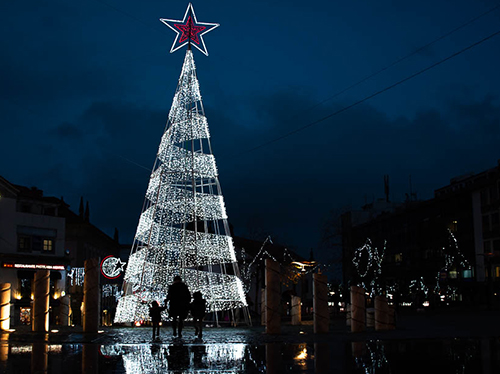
[[183, 228]]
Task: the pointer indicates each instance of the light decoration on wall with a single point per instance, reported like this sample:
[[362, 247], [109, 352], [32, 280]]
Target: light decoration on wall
[[454, 259], [112, 267], [183, 228], [77, 276], [367, 261]]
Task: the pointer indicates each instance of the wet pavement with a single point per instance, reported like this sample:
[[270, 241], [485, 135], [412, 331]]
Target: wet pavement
[[431, 342]]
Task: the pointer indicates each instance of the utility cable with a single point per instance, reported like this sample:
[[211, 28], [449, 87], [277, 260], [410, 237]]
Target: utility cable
[[370, 96]]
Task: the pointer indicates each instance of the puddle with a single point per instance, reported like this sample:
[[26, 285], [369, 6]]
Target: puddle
[[474, 356]]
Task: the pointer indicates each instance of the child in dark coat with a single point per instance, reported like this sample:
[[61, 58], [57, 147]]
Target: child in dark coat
[[155, 314], [198, 308]]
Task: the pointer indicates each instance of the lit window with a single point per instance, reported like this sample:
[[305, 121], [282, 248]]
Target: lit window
[[47, 245], [467, 273], [452, 274], [398, 257], [497, 271]]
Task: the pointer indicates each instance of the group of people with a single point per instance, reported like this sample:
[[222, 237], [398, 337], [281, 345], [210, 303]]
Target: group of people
[[180, 304]]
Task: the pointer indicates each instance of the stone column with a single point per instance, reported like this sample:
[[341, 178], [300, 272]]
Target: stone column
[[348, 315], [320, 304], [91, 296], [273, 297], [263, 306], [41, 301], [357, 309], [381, 313], [370, 317], [4, 306], [296, 311], [64, 311]]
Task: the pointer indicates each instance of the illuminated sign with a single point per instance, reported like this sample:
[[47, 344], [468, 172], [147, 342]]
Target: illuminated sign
[[112, 267], [33, 266]]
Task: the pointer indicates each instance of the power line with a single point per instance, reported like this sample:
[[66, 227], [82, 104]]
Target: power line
[[370, 96], [404, 57]]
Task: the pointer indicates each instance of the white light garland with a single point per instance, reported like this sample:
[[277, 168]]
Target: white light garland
[[183, 228]]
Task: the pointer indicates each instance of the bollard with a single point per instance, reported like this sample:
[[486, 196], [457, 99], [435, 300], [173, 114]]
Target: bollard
[[370, 317], [91, 296], [64, 311], [41, 301], [320, 303], [263, 306], [4, 306], [381, 314], [296, 311], [348, 315], [273, 297], [358, 311]]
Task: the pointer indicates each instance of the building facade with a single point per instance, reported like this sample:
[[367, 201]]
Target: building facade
[[439, 251]]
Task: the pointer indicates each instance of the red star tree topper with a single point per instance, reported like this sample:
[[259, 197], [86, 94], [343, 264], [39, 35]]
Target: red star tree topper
[[189, 31]]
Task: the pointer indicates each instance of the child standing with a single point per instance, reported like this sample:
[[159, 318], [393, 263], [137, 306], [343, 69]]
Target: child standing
[[198, 308], [155, 314]]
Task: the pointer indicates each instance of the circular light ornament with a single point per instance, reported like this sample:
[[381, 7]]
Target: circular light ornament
[[112, 267]]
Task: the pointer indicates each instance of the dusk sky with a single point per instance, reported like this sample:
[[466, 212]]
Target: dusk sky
[[86, 87]]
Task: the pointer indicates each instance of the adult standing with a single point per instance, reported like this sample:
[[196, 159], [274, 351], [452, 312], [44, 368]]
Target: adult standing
[[179, 298]]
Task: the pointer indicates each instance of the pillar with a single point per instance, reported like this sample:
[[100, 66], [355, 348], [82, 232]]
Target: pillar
[[4, 347], [4, 306], [320, 303], [381, 313], [41, 301], [348, 315], [91, 296], [357, 309], [273, 297], [64, 311], [370, 317], [296, 311]]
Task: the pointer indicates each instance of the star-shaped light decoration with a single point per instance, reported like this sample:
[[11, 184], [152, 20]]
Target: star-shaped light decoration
[[189, 31]]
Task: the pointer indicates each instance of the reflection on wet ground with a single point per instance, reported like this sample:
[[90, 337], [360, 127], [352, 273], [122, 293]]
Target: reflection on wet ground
[[478, 356]]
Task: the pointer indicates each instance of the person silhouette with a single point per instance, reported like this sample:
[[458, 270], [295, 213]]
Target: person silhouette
[[179, 298], [155, 314], [198, 309]]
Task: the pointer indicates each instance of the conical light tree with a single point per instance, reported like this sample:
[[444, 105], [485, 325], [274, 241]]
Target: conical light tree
[[183, 228]]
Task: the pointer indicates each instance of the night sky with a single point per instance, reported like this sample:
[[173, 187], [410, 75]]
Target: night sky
[[86, 87]]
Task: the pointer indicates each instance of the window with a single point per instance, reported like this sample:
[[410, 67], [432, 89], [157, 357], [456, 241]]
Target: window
[[25, 208], [453, 274], [467, 274], [497, 271], [48, 245], [398, 257], [24, 243]]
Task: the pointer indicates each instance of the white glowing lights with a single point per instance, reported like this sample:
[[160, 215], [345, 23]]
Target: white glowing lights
[[183, 227], [189, 31]]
